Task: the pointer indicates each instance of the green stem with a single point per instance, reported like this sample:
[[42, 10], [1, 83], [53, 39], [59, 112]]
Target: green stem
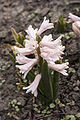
[[40, 59]]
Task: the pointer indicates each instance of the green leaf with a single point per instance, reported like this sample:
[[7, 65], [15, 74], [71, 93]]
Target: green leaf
[[0, 84], [31, 75], [62, 105], [52, 105], [61, 24], [70, 117], [57, 101], [3, 81], [39, 39], [44, 111], [47, 108], [48, 112], [78, 115], [25, 80], [37, 110], [18, 103], [72, 70], [46, 81], [20, 38], [13, 105], [14, 101], [12, 58], [36, 11], [45, 92], [17, 108]]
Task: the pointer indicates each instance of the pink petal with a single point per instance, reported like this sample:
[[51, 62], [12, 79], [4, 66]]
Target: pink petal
[[76, 28], [23, 51], [74, 17], [44, 26], [33, 86]]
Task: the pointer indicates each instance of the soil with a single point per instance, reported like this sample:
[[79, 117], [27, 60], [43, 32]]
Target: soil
[[18, 14]]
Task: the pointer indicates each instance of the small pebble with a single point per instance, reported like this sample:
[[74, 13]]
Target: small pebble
[[76, 89], [73, 103], [78, 83]]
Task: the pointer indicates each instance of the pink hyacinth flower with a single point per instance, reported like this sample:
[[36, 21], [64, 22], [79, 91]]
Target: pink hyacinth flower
[[45, 26], [76, 24], [74, 17], [27, 64], [59, 67], [31, 32], [33, 87], [50, 50], [76, 27]]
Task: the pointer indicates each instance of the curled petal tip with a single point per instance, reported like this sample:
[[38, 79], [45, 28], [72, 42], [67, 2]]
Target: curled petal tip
[[67, 63], [74, 17], [61, 36], [70, 14], [76, 28], [24, 88]]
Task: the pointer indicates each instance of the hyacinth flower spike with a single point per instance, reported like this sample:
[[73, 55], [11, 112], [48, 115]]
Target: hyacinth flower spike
[[33, 87], [47, 49], [26, 64], [44, 26]]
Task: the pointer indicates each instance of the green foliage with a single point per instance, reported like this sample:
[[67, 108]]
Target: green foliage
[[70, 117], [66, 2], [57, 101], [6, 66], [44, 111], [24, 82], [39, 39], [72, 70], [2, 82], [15, 104], [37, 110], [61, 24], [12, 57], [66, 36], [72, 34], [52, 105], [32, 15], [55, 79], [36, 12], [9, 114], [69, 35], [78, 115], [45, 85], [31, 75], [18, 37]]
